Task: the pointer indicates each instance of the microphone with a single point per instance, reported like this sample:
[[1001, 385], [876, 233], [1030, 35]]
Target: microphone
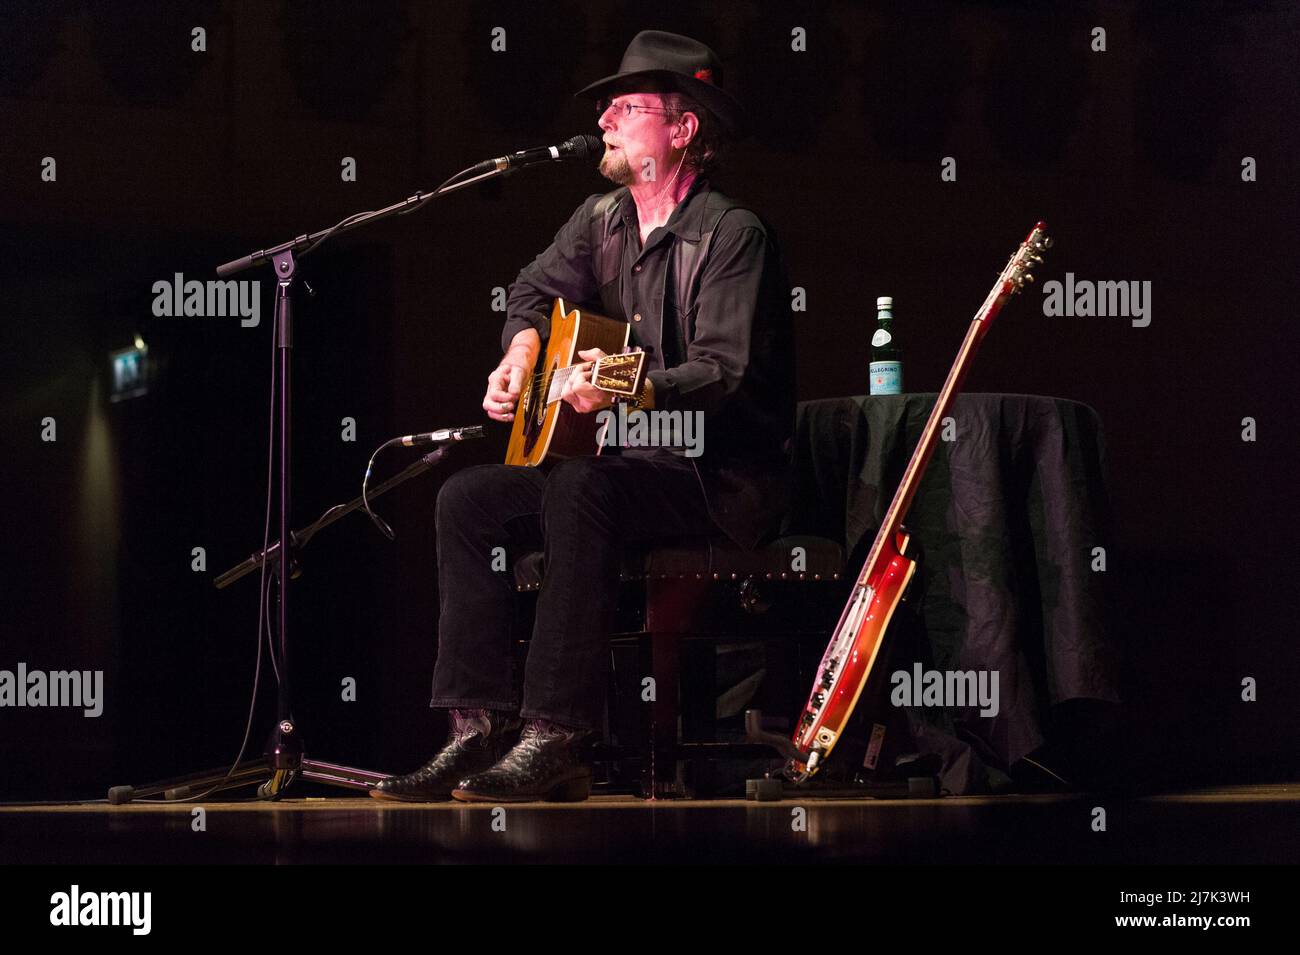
[[578, 147], [445, 436]]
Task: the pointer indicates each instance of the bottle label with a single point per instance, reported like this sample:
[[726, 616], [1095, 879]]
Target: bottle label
[[881, 337], [886, 377]]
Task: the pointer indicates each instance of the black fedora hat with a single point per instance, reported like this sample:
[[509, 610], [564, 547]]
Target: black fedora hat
[[680, 63]]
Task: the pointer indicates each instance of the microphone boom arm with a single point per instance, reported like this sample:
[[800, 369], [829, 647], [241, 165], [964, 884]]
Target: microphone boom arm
[[306, 243], [300, 538], [576, 147]]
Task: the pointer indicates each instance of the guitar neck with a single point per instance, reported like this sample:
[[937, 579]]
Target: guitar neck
[[556, 384], [620, 374], [1012, 279]]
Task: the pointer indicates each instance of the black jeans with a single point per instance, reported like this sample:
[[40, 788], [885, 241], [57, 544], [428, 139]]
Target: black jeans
[[580, 512]]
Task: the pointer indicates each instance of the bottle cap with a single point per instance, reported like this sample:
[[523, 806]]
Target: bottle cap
[[885, 301]]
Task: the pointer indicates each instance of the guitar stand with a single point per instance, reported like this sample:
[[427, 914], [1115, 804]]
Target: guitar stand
[[921, 781]]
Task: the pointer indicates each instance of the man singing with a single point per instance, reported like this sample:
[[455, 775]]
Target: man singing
[[700, 280]]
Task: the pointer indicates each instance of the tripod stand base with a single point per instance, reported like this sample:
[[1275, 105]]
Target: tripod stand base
[[270, 781]]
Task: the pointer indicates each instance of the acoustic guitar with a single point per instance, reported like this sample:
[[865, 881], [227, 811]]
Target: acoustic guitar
[[855, 646], [546, 426]]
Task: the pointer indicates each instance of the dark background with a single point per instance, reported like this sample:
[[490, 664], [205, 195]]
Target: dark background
[[170, 160]]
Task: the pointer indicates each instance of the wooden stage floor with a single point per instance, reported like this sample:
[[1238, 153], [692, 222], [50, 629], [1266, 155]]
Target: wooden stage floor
[[1225, 825]]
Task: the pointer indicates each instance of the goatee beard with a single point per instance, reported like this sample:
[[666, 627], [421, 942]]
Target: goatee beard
[[615, 169]]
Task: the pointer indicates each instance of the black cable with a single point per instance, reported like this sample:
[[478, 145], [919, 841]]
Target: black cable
[[263, 612], [365, 484]]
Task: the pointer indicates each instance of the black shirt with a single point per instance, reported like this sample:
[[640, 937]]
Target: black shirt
[[718, 337]]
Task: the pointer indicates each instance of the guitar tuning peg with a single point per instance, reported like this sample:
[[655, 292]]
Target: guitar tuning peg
[[1035, 260], [1027, 277]]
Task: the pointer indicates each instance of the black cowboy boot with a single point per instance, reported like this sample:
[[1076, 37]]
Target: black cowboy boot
[[478, 738], [545, 764]]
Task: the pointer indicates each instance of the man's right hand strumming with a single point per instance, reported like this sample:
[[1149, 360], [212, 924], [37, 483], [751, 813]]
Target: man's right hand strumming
[[507, 379]]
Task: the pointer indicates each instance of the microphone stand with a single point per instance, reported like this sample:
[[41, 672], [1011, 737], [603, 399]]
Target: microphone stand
[[274, 778], [284, 752]]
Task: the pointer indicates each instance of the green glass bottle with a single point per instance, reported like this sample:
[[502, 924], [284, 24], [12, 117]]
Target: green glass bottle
[[886, 356]]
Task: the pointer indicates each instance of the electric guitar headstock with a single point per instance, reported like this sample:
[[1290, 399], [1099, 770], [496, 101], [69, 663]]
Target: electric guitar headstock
[[1027, 257], [1015, 274]]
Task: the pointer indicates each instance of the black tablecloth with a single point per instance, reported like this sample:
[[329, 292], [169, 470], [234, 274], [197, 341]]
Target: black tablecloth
[[1007, 517]]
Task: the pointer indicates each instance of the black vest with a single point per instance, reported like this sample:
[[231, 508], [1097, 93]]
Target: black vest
[[746, 496], [683, 272]]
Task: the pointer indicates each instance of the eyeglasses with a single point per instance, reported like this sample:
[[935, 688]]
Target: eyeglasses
[[624, 110]]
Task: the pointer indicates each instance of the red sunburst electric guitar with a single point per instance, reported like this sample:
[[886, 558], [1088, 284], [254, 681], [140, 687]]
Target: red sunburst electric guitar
[[859, 636]]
